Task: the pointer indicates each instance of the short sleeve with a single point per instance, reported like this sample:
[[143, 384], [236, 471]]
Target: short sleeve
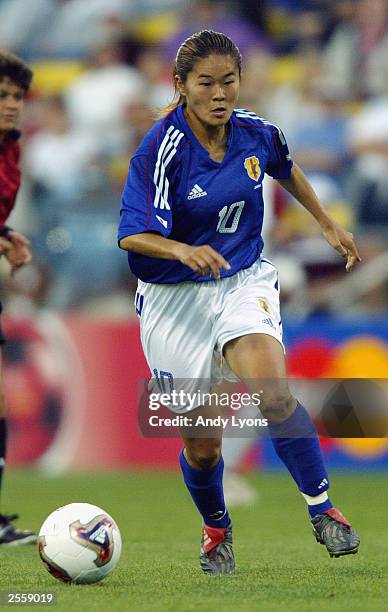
[[279, 164], [146, 200]]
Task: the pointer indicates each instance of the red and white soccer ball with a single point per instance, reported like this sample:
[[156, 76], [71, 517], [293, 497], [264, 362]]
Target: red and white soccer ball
[[79, 543]]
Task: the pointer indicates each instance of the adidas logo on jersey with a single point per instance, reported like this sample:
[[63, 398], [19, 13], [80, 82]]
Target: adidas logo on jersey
[[196, 192]]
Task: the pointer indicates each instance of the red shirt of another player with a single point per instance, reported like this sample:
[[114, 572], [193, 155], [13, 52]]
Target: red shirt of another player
[[9, 174]]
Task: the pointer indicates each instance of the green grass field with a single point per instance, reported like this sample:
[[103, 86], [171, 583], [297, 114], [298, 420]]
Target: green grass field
[[280, 566]]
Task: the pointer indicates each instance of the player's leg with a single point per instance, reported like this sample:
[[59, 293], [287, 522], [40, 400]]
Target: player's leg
[[258, 358], [202, 468], [179, 354], [8, 532]]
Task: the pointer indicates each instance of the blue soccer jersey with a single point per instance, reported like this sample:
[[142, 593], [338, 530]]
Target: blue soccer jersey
[[175, 189]]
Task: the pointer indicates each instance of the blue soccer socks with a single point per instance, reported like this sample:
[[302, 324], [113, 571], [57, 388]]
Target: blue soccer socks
[[296, 443], [205, 487]]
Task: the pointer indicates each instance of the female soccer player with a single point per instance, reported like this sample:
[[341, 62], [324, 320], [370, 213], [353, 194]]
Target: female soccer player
[[15, 80], [191, 219]]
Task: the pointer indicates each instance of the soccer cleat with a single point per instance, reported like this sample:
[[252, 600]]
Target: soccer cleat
[[10, 536], [333, 530], [217, 550]]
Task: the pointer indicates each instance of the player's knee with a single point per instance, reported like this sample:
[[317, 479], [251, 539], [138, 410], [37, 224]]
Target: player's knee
[[206, 454], [206, 462], [277, 406]]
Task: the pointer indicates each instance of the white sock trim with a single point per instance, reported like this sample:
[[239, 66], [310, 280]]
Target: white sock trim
[[318, 499]]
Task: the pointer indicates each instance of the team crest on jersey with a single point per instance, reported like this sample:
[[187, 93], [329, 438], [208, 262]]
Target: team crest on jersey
[[263, 304], [252, 166]]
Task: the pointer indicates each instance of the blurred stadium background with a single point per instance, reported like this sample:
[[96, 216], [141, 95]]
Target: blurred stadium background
[[318, 69]]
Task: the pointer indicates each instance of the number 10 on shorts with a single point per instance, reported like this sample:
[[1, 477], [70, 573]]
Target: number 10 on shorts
[[139, 301], [165, 380]]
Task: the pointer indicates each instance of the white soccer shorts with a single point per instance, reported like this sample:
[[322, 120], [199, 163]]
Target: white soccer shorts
[[185, 326]]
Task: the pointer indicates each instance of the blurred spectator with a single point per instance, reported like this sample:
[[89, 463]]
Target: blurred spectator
[[79, 25], [314, 23], [285, 103], [23, 25], [158, 87], [75, 203], [59, 159], [251, 11], [71, 28], [369, 143], [256, 87], [97, 100], [319, 142], [356, 55], [139, 119], [289, 24], [213, 15]]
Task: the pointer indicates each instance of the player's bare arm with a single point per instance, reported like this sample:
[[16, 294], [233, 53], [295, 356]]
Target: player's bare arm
[[339, 238], [203, 260]]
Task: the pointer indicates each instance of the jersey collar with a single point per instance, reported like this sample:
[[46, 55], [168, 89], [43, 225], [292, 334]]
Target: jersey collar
[[190, 134]]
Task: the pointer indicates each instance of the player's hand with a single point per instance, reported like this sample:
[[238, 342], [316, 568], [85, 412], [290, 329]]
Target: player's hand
[[17, 256], [18, 239], [342, 241], [203, 260]]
